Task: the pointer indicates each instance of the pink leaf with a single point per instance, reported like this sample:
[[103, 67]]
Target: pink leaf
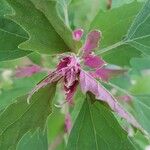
[[88, 83], [94, 61], [71, 78], [27, 71], [105, 74], [77, 34], [51, 78], [91, 42]]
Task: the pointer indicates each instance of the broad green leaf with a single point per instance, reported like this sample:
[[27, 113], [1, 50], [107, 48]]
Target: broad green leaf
[[141, 106], [49, 9], [4, 8], [11, 35], [137, 38], [44, 36], [114, 25], [55, 125], [19, 87], [21, 117], [96, 128], [36, 58], [121, 55], [79, 100], [139, 34], [36, 141]]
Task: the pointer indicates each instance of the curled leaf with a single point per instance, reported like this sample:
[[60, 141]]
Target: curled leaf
[[88, 83], [51, 78]]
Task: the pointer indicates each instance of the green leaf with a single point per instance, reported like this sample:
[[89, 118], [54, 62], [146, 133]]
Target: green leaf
[[11, 35], [20, 87], [55, 125], [50, 10], [21, 117], [44, 36], [4, 8], [36, 141], [121, 55], [141, 111], [139, 33], [114, 25], [96, 128]]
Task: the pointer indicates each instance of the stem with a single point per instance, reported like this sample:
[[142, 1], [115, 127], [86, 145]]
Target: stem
[[104, 50], [66, 15]]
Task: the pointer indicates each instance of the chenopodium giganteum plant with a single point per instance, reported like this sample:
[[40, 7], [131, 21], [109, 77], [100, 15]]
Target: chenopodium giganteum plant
[[70, 72], [106, 119]]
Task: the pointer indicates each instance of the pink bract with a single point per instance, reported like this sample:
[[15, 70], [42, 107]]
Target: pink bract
[[68, 70], [93, 61], [77, 34], [92, 42]]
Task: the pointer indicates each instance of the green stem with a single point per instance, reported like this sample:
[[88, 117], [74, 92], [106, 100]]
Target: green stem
[[66, 16], [104, 50]]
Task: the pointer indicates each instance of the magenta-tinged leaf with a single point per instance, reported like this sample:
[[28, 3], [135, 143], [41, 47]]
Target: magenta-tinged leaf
[[70, 69], [27, 71], [91, 42], [68, 123], [77, 34], [105, 73], [51, 78], [94, 61], [88, 83], [70, 91]]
